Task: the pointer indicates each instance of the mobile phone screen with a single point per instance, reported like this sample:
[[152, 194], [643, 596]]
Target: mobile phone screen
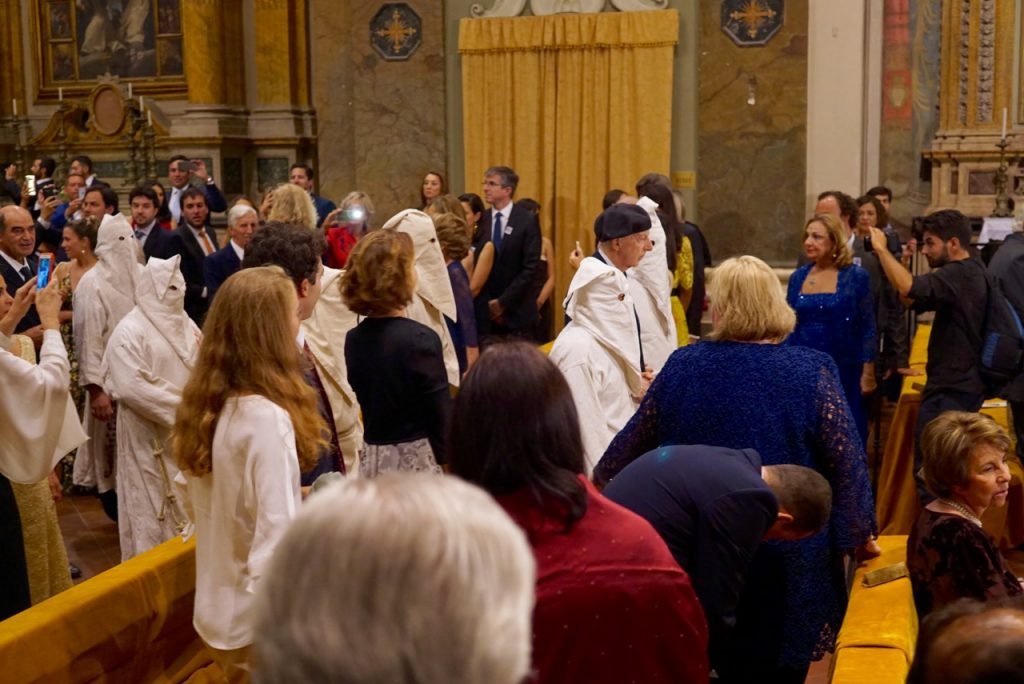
[[43, 276]]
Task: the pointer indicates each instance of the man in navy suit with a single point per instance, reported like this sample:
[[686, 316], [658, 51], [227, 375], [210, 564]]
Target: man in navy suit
[[155, 241], [302, 175], [222, 264], [18, 264], [184, 173], [510, 294], [713, 507], [194, 240]]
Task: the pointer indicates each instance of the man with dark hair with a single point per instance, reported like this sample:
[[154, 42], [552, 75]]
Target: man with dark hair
[[298, 251], [1007, 267], [155, 241], [713, 507], [509, 297], [194, 240], [43, 169], [56, 211], [957, 291], [182, 173], [82, 166], [971, 642], [99, 201], [302, 176]]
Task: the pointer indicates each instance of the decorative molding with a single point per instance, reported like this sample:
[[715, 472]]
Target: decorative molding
[[513, 8], [986, 60], [964, 59]]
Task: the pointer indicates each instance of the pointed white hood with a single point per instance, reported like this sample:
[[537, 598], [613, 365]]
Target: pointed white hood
[[433, 299], [652, 271], [432, 281], [118, 266], [599, 302], [160, 297]]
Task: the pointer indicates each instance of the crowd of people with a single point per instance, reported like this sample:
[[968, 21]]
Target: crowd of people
[[303, 393]]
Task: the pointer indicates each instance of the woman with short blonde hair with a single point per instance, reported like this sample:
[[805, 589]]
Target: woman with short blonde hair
[[746, 389], [949, 555], [292, 204], [747, 302], [438, 587]]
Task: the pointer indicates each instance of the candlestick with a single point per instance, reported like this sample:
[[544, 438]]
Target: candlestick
[[129, 91], [149, 117], [60, 94], [14, 106], [142, 105], [1003, 136]]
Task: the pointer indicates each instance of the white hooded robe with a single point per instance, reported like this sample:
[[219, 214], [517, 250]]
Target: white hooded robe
[[650, 284], [147, 362]]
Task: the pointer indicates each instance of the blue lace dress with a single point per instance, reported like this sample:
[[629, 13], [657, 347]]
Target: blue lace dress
[[841, 324], [786, 403]]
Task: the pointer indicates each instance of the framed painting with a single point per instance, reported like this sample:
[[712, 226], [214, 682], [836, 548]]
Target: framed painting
[[83, 41]]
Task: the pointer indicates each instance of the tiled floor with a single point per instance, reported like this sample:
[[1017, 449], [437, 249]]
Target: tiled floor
[[89, 535]]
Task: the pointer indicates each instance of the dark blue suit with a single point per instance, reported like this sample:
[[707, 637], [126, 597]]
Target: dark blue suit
[[197, 298], [159, 243], [13, 280], [323, 206], [218, 267], [712, 508]]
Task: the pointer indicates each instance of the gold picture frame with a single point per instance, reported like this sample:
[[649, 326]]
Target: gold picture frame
[[80, 43]]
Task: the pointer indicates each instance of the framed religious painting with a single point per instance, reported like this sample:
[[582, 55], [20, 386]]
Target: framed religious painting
[[81, 42]]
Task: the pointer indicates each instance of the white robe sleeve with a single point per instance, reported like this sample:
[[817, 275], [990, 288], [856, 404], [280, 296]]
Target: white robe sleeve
[[38, 421], [129, 376], [90, 323]]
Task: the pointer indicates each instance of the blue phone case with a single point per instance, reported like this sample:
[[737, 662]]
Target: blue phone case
[[43, 276]]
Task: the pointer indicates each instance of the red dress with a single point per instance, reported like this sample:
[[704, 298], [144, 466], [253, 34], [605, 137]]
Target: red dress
[[612, 604]]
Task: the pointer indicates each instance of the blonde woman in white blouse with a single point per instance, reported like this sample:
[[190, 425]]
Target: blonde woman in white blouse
[[246, 425]]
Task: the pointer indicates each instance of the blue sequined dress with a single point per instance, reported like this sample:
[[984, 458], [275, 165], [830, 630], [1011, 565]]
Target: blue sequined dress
[[841, 324], [785, 402]]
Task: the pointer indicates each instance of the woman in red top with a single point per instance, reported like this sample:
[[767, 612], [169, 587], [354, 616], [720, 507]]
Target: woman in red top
[[612, 604]]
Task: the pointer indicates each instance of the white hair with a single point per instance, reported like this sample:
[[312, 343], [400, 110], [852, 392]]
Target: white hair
[[237, 212], [405, 577]]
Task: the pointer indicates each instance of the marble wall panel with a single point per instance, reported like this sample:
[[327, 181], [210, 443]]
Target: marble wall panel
[[394, 127], [752, 126]]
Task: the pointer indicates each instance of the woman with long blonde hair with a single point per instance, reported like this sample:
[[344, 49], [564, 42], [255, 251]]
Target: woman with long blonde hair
[[247, 423]]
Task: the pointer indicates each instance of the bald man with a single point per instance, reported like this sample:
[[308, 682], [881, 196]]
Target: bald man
[[18, 263]]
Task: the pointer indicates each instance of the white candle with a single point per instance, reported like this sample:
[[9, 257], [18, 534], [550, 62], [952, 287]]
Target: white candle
[[149, 116], [1004, 123], [129, 91], [60, 94], [14, 106], [142, 105]]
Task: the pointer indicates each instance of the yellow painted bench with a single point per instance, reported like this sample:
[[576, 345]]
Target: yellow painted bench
[[877, 639]]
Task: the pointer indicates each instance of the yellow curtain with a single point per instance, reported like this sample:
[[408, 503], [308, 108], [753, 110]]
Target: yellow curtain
[[577, 104]]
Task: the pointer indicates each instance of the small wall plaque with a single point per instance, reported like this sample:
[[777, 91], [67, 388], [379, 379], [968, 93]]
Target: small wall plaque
[[396, 31], [752, 22]]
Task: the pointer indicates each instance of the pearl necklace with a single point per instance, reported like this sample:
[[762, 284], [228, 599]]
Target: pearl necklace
[[962, 510]]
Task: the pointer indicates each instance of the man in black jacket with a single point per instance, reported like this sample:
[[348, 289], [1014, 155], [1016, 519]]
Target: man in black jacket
[[1007, 267], [510, 294], [194, 240]]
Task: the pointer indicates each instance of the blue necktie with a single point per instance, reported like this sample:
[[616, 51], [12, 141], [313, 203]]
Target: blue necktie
[[496, 236]]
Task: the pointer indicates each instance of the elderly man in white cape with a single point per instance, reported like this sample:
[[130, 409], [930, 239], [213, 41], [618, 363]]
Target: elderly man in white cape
[[598, 352], [105, 295], [147, 362], [433, 299]]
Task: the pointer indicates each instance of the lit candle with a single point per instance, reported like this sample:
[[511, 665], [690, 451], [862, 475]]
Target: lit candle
[[60, 94], [1004, 123], [129, 91], [14, 106]]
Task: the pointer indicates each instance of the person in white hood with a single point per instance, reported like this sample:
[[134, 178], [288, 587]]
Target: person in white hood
[[600, 350], [650, 283], [105, 295], [146, 364], [433, 299]]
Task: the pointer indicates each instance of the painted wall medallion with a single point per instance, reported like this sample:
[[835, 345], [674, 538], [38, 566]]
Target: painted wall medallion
[[750, 23], [396, 31]]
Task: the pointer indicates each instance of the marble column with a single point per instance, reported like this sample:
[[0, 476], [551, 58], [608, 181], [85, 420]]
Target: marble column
[[12, 80]]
